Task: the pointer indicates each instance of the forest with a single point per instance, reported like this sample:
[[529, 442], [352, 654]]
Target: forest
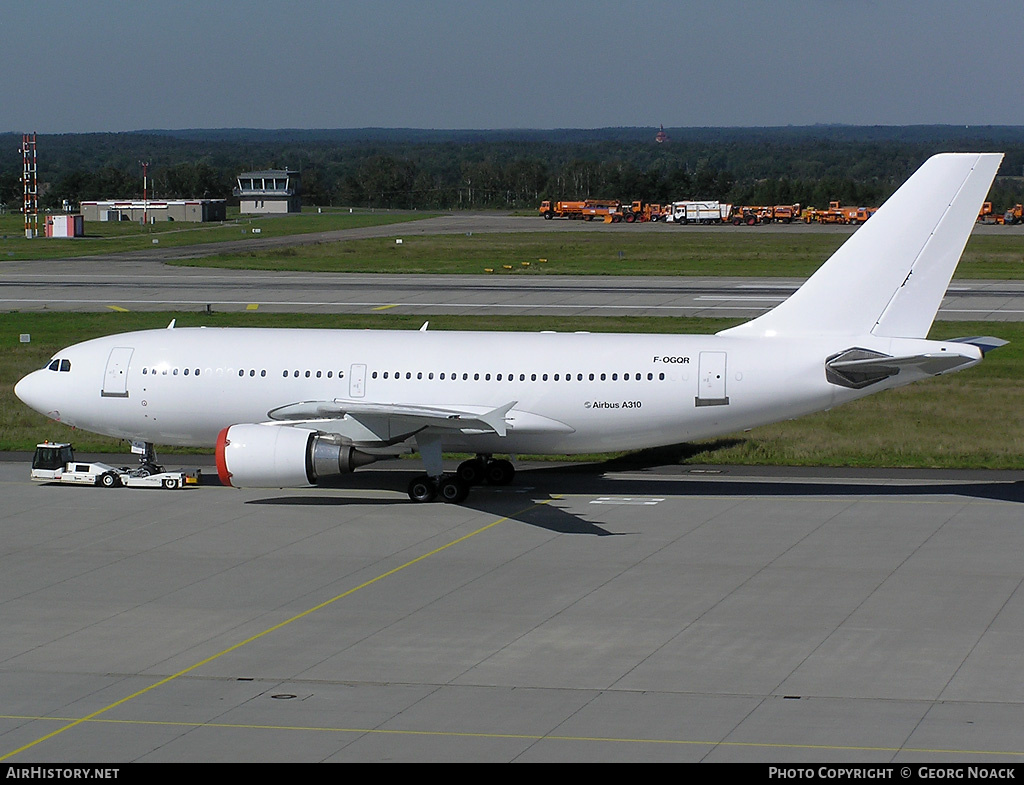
[[511, 170]]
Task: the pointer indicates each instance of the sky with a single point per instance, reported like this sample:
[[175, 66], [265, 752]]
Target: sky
[[120, 65]]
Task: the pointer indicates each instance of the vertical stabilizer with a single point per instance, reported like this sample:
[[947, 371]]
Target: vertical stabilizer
[[890, 277]]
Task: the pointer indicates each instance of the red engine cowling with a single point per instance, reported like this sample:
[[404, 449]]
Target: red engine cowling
[[280, 456]]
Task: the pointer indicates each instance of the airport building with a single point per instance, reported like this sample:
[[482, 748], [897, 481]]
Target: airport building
[[63, 225], [189, 210], [269, 191]]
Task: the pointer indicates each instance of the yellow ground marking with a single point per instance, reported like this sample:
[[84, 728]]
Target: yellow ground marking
[[384, 307], [117, 308], [525, 736], [252, 306], [264, 633]]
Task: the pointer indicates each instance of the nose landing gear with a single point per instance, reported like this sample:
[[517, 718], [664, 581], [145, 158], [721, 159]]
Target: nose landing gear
[[147, 459]]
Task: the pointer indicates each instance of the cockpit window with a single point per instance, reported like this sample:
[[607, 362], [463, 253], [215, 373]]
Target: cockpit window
[[59, 365], [65, 365], [54, 365]]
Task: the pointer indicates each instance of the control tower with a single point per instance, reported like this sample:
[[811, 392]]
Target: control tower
[[269, 191]]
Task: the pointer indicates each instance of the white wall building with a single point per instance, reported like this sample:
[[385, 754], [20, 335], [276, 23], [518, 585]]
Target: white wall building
[[269, 191]]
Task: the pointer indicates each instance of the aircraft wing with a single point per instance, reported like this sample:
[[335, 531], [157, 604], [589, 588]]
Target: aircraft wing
[[409, 416], [391, 422]]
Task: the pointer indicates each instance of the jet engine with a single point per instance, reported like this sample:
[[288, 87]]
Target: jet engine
[[278, 456]]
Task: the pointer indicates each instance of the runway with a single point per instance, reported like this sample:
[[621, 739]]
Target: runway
[[141, 281], [601, 613], [189, 289]]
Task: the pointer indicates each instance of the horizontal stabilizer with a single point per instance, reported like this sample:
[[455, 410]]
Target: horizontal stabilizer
[[984, 342], [859, 368]]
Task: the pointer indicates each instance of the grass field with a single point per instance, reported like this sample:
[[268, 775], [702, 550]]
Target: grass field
[[113, 237], [972, 419], [722, 251]]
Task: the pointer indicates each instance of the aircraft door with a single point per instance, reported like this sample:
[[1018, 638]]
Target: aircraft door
[[115, 377], [711, 380], [357, 381]]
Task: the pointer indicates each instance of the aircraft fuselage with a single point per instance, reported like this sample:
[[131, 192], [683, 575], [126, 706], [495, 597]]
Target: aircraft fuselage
[[574, 392]]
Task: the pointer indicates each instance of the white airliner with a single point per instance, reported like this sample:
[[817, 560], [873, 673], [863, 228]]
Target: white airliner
[[288, 408]]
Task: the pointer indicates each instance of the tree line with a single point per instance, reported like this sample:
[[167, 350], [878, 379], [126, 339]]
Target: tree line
[[389, 168]]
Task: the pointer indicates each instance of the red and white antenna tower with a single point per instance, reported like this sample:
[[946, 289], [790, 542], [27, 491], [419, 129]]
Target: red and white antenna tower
[[145, 191], [30, 185]]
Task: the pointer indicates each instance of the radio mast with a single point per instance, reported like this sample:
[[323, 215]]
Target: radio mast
[[30, 185]]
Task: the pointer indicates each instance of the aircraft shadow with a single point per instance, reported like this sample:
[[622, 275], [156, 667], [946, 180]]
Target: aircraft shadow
[[515, 502], [534, 496], [683, 485]]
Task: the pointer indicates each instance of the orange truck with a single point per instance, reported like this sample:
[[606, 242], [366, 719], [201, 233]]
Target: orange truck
[[987, 216], [607, 210], [550, 209], [745, 215], [642, 212], [1014, 215], [785, 213], [839, 214], [751, 215]]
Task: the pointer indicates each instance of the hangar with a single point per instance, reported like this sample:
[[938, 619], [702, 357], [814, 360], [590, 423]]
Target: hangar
[[190, 210]]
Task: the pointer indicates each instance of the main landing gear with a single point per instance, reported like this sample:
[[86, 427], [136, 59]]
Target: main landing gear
[[454, 488], [484, 468], [426, 488]]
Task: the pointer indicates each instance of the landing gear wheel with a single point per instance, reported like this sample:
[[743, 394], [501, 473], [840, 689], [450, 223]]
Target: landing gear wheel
[[500, 472], [146, 469], [422, 489], [453, 490], [472, 472]]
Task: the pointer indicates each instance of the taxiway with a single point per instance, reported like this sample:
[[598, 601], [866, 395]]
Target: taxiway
[[601, 613], [141, 281]]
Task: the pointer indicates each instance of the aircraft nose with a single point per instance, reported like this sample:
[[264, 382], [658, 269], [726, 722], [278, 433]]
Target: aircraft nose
[[31, 390]]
